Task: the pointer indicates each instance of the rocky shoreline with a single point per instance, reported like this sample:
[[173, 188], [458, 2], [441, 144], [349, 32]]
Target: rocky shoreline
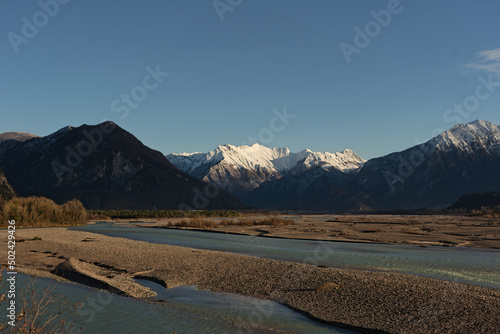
[[356, 299], [419, 230]]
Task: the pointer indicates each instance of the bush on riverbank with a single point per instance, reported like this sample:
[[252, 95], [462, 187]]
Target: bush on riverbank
[[137, 214], [42, 212], [487, 212], [273, 221], [204, 223]]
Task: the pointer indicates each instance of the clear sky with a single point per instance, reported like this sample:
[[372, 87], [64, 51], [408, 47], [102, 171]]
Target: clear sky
[[231, 64]]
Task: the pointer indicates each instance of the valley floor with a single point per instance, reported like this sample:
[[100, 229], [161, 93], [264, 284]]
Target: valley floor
[[383, 301], [423, 230]]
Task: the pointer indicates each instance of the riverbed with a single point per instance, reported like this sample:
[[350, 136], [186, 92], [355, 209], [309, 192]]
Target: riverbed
[[460, 264]]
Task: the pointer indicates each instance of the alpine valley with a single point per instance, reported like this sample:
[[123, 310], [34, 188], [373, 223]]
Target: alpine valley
[[106, 167], [465, 159]]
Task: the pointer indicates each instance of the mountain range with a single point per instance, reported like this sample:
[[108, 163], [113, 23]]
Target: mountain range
[[244, 168], [106, 167], [464, 159]]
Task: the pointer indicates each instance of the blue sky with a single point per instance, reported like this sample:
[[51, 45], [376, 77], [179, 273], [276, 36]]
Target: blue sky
[[225, 77]]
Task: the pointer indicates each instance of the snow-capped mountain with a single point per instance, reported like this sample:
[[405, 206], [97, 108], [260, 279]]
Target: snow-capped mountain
[[464, 159], [478, 134], [243, 168], [120, 172]]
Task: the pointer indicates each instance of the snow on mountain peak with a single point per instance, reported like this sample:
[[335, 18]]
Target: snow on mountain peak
[[462, 136], [257, 156]]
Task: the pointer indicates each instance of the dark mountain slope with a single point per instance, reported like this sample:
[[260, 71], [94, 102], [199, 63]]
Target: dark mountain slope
[[6, 190], [465, 159], [105, 167], [477, 201]]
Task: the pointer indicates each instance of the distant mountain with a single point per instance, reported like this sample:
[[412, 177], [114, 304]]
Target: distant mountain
[[105, 167], [477, 201], [6, 190], [316, 189], [465, 159], [241, 169], [19, 136]]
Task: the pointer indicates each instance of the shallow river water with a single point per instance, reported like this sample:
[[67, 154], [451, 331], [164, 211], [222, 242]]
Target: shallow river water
[[461, 264], [184, 310], [188, 310]]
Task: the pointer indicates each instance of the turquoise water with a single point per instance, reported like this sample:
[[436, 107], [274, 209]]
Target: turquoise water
[[185, 310], [461, 264]]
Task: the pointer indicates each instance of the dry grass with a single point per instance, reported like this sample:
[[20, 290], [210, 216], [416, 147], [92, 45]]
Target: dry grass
[[42, 212], [95, 216], [273, 221], [207, 224], [487, 212], [197, 223]]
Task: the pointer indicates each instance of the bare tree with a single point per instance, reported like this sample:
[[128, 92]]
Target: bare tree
[[42, 311]]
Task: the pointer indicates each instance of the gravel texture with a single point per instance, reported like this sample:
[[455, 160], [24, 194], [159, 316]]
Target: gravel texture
[[383, 301]]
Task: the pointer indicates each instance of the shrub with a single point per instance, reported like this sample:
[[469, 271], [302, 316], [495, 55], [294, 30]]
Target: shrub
[[41, 211], [274, 221], [197, 222], [137, 214], [201, 223]]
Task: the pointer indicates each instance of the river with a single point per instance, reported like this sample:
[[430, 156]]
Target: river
[[184, 310], [461, 264], [188, 310]]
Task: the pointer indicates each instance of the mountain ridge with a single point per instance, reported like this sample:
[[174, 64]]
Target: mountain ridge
[[243, 168], [115, 170], [18, 136], [105, 167], [464, 159]]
